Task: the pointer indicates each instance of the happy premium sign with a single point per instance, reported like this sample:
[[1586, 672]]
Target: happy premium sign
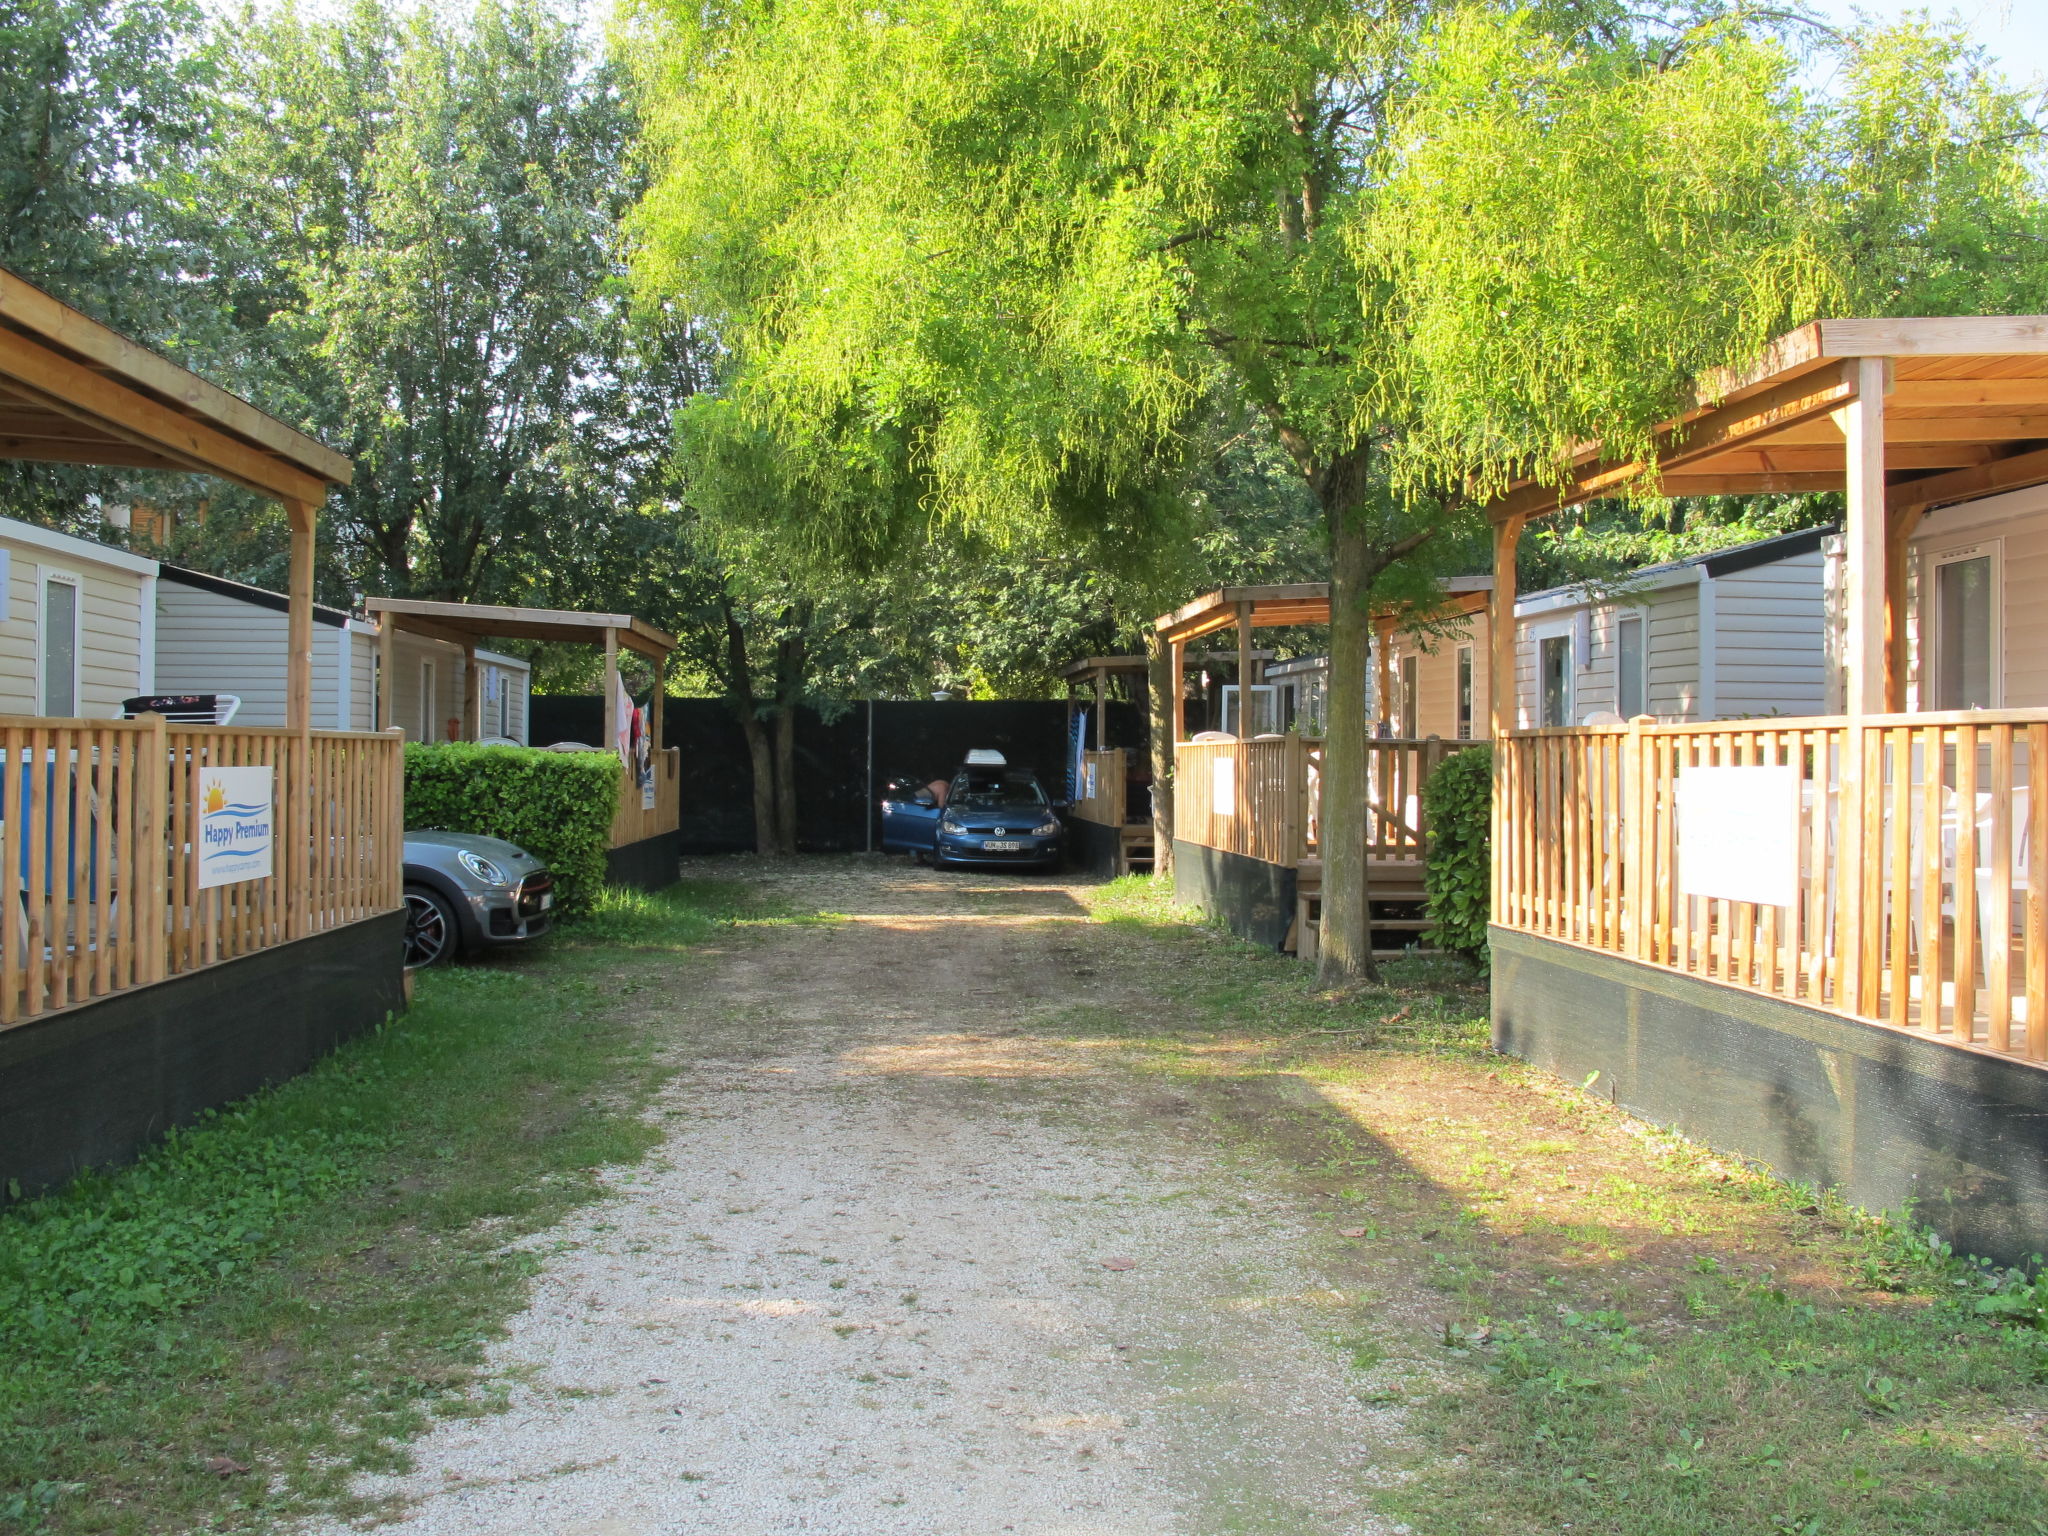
[[236, 821]]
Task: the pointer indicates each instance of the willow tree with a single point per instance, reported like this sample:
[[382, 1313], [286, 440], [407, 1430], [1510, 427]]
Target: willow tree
[[1030, 241]]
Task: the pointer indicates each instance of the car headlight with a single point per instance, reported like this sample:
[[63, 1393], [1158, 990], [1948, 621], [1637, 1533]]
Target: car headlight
[[1047, 827], [482, 868], [950, 825]]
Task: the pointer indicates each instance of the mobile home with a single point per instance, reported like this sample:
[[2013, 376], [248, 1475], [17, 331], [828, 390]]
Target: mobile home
[[219, 636], [1736, 633]]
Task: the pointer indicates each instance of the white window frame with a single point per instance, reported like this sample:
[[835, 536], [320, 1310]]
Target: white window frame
[[1930, 627], [430, 701], [1564, 630], [45, 575], [1622, 618]]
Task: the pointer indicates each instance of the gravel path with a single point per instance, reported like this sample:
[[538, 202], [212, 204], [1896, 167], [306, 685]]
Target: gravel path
[[909, 1262]]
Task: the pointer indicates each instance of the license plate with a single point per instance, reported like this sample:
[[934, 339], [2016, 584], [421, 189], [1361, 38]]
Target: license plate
[[1003, 847], [547, 899]]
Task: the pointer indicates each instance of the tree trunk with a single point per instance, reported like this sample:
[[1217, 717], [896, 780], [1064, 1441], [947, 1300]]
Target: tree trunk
[[1160, 683], [1346, 939], [739, 694], [792, 662], [785, 779]]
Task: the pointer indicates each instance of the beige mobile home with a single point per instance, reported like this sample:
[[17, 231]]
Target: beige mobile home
[[1730, 635], [220, 636], [75, 631]]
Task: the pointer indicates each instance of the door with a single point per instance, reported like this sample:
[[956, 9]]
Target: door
[[910, 822], [1965, 630]]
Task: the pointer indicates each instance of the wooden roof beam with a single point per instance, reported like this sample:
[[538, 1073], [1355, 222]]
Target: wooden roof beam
[[2028, 467], [57, 384]]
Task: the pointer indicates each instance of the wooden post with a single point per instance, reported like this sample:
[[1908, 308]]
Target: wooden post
[[1865, 542], [611, 691], [1163, 686], [295, 782], [1898, 535], [472, 695], [1383, 685], [657, 741], [1864, 595], [299, 623], [1101, 709], [1500, 625], [1500, 688], [1178, 676], [1244, 672], [387, 671]]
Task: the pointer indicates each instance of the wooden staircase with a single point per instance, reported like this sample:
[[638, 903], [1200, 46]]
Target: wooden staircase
[[1400, 911], [1134, 850]]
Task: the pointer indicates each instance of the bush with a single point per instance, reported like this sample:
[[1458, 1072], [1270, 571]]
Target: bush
[[558, 806], [1457, 802]]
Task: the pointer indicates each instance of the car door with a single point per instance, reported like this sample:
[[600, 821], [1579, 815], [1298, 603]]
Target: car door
[[910, 824]]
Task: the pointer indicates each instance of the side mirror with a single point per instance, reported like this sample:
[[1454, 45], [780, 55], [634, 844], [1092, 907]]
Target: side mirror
[[926, 797], [1063, 805]]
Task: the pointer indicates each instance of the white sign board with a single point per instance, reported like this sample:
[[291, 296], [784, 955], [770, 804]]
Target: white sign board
[[1738, 834], [1223, 785], [237, 821]]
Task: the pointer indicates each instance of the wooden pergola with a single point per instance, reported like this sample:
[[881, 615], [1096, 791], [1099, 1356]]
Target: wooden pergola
[[73, 391], [1901, 415], [466, 624], [1270, 607]]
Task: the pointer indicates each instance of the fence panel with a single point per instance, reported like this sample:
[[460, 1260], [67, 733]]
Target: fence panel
[[99, 855], [1919, 900]]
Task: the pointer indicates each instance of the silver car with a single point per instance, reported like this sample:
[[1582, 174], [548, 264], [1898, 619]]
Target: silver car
[[465, 892]]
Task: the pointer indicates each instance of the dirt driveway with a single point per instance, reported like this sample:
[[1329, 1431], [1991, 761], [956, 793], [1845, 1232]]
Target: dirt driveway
[[913, 1259]]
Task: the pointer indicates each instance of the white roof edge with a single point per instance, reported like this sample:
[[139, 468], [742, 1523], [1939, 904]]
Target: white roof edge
[[500, 659], [71, 545], [1582, 596]]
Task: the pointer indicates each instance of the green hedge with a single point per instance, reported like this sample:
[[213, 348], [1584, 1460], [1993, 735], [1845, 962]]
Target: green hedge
[[558, 806], [1457, 802]]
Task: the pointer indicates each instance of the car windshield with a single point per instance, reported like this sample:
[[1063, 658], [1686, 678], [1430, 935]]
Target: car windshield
[[988, 790]]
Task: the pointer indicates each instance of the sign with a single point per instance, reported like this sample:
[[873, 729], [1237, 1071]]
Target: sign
[[1738, 834], [1223, 784], [237, 824]]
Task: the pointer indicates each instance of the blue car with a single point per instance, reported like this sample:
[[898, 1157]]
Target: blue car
[[990, 813]]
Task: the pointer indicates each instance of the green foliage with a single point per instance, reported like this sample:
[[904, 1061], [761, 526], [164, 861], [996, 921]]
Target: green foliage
[[1457, 804], [91, 1272], [416, 212], [558, 806]]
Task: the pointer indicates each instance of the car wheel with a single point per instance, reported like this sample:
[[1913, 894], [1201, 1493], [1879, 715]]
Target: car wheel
[[431, 936]]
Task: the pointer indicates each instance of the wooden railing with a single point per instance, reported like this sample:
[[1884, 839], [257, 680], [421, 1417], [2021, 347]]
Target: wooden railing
[[635, 819], [99, 851], [1263, 798], [1104, 791], [1920, 861]]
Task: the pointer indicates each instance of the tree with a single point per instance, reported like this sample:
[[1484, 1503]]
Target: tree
[[1033, 243], [418, 216], [104, 105]]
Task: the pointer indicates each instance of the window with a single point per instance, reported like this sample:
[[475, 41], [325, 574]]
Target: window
[[1408, 691], [1631, 682], [428, 703], [57, 640], [1966, 629], [504, 702], [1464, 693], [376, 690], [1554, 679], [1264, 710]]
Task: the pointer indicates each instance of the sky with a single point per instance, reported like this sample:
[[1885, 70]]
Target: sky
[[2015, 32]]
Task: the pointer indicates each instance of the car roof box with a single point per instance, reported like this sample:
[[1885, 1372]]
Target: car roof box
[[986, 757]]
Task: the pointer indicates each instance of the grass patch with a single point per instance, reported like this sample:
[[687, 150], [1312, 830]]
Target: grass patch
[[282, 1294], [1620, 1332]]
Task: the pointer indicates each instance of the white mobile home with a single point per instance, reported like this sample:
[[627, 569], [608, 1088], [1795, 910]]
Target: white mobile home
[[75, 625], [1729, 635], [1973, 639], [220, 636]]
